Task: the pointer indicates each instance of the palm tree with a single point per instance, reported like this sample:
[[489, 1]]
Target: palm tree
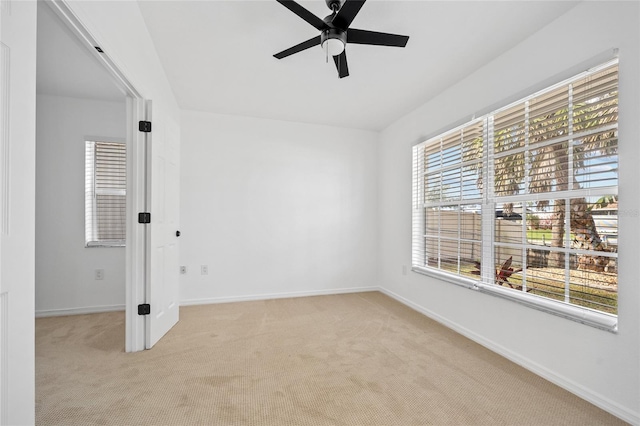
[[550, 165]]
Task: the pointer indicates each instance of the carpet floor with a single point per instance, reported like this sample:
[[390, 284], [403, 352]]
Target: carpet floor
[[353, 359]]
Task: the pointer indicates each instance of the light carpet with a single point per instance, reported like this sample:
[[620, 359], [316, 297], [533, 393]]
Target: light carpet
[[353, 359]]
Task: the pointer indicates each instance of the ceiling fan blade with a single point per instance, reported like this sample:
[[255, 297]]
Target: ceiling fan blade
[[304, 14], [347, 13], [341, 64], [315, 41], [376, 38]]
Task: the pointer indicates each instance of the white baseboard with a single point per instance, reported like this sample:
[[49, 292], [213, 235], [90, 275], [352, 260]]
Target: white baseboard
[[78, 311], [285, 295], [593, 397]]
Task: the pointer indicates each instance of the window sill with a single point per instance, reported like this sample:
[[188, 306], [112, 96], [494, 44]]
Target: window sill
[[585, 316], [104, 245], [453, 279]]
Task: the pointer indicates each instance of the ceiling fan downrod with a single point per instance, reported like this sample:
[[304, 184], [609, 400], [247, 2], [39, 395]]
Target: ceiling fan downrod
[[334, 5]]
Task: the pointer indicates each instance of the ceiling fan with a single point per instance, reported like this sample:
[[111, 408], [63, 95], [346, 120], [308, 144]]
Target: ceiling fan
[[335, 32]]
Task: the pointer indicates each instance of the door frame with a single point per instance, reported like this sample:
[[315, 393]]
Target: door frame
[[137, 181]]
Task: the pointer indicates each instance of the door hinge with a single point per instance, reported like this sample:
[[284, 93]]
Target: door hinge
[[144, 217], [144, 126], [144, 309]]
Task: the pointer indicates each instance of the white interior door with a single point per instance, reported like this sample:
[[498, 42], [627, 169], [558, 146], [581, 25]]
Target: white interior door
[[164, 191], [17, 210]]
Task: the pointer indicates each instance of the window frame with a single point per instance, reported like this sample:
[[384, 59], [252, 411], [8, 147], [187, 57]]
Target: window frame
[[485, 281], [92, 240]]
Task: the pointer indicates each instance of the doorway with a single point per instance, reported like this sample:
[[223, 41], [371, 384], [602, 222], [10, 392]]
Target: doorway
[[76, 102], [81, 98]]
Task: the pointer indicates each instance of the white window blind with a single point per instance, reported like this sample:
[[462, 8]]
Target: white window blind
[[105, 194], [523, 201], [448, 228]]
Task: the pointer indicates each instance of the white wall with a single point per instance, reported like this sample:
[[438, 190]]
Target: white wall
[[275, 208], [64, 267], [600, 366]]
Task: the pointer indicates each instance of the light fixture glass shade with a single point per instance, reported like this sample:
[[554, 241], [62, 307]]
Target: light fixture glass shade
[[333, 46]]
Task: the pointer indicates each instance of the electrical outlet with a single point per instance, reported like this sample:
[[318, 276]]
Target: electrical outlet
[[99, 274], [404, 269], [183, 270], [204, 270]]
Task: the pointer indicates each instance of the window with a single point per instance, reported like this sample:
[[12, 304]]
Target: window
[[523, 202], [105, 194]]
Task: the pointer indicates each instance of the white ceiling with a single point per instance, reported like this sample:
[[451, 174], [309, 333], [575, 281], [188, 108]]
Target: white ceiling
[[218, 56]]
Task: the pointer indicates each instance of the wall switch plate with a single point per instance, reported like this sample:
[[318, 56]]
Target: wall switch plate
[[404, 269], [99, 274], [204, 270], [183, 270]]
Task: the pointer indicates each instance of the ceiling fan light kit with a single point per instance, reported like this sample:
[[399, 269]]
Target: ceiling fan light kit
[[335, 32], [333, 41]]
